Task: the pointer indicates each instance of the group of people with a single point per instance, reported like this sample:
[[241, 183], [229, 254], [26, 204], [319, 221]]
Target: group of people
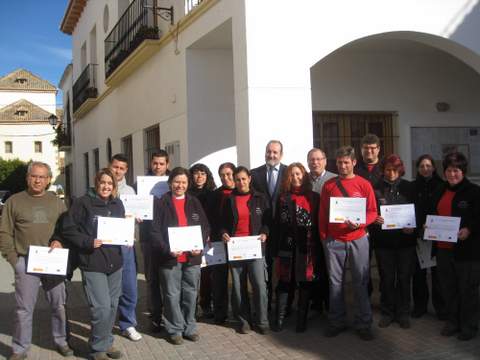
[[288, 209]]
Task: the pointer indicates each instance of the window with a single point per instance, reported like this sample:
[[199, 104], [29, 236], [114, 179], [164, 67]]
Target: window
[[106, 18], [21, 112], [173, 150], [86, 170], [38, 146], [332, 130], [8, 147], [109, 150], [152, 143], [96, 160], [21, 80], [127, 150]]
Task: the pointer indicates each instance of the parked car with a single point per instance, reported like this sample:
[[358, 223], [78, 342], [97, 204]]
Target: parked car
[[57, 189]]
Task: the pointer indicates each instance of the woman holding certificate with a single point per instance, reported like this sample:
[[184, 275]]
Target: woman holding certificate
[[394, 245], [458, 263], [245, 215], [179, 270], [101, 264], [299, 246]]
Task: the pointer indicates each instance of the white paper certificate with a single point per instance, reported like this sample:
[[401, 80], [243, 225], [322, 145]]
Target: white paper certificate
[[185, 238], [215, 254], [139, 206], [398, 216], [43, 261], [442, 228], [348, 208], [152, 185], [244, 248], [116, 231], [424, 254]]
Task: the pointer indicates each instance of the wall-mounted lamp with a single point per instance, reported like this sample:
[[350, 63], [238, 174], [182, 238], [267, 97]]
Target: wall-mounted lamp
[[442, 106], [53, 120], [164, 13]]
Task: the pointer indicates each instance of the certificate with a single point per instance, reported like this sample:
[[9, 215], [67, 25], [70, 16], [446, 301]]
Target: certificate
[[139, 206], [348, 208], [424, 254], [185, 238], [442, 228], [44, 260], [244, 248], [152, 185], [398, 216], [116, 231], [215, 254]]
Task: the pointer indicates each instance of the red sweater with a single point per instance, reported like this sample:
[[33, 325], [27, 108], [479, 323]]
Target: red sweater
[[356, 187], [243, 225], [444, 208], [182, 221]]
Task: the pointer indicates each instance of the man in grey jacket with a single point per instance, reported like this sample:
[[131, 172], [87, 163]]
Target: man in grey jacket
[[317, 161]]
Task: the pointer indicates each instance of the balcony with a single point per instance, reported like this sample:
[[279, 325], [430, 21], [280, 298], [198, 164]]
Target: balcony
[[136, 24], [85, 87]]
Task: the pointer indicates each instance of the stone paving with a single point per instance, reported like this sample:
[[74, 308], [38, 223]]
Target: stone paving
[[422, 341]]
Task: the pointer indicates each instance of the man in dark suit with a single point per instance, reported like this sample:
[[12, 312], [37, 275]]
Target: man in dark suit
[[267, 179]]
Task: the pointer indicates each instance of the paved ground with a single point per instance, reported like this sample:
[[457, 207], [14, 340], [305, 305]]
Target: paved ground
[[422, 341]]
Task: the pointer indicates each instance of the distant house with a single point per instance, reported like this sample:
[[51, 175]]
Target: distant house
[[222, 77], [26, 103]]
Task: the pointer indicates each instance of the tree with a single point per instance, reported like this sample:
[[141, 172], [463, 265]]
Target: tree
[[12, 175]]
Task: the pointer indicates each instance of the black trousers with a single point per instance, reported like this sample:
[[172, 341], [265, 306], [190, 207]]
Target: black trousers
[[396, 269], [459, 282], [420, 291], [220, 291], [152, 276]]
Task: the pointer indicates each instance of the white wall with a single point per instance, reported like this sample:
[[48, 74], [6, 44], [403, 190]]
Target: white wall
[[23, 138], [45, 100], [409, 81]]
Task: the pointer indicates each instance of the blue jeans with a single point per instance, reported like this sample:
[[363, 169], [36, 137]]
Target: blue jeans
[[356, 252], [128, 300]]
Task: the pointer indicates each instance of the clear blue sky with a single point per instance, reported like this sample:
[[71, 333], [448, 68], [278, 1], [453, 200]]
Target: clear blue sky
[[30, 38]]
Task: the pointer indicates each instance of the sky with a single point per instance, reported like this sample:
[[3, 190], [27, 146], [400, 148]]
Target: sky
[[30, 38]]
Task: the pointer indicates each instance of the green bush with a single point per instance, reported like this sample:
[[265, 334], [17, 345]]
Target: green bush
[[12, 175]]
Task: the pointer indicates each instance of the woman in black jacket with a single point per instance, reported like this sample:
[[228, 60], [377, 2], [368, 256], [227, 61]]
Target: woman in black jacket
[[179, 271], [201, 185], [424, 186], [101, 265], [246, 213], [394, 249], [299, 247], [458, 264]]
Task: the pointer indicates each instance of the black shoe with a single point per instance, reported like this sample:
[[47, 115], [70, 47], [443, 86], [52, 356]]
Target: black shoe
[[244, 328], [365, 334], [385, 321], [262, 330], [220, 321], [192, 337], [417, 313], [64, 350], [441, 316], [333, 331], [404, 322], [155, 327], [114, 353], [466, 335], [449, 329]]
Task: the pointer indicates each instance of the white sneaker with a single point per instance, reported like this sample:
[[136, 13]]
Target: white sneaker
[[132, 334]]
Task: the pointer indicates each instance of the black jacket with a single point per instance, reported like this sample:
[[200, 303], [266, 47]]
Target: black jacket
[[423, 190], [396, 193], [165, 216], [79, 229], [466, 205], [374, 177], [214, 209], [260, 216]]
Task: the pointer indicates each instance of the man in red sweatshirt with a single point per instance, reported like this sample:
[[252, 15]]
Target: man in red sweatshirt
[[344, 242]]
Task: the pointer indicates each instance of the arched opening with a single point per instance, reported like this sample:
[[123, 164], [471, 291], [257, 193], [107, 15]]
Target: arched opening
[[416, 91]]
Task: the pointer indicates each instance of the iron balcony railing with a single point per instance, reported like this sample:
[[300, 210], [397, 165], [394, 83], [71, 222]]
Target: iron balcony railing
[[137, 23], [85, 87]]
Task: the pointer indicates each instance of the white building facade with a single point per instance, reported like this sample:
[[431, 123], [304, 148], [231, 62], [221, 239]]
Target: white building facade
[[26, 103], [226, 76]]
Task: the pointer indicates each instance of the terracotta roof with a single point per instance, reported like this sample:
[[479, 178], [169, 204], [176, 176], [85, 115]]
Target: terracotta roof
[[23, 111], [21, 79], [72, 15]]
